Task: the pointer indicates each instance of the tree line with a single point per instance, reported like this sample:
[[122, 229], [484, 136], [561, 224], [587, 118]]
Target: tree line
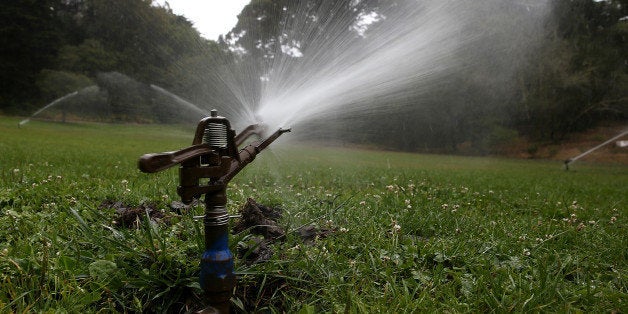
[[574, 80]]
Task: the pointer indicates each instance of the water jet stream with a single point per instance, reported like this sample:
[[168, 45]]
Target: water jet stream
[[56, 101], [390, 56], [180, 100], [571, 160]]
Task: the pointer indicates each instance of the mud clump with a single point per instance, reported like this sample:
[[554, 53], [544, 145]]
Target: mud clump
[[261, 220], [131, 216], [262, 223], [310, 233]]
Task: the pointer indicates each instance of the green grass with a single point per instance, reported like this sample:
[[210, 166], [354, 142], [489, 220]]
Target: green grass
[[413, 233]]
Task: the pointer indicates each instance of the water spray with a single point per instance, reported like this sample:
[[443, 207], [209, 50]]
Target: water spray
[[213, 156], [56, 101], [570, 160]]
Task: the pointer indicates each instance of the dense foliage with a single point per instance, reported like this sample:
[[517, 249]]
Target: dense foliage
[[575, 79]]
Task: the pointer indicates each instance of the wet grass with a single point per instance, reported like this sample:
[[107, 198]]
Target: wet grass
[[411, 233]]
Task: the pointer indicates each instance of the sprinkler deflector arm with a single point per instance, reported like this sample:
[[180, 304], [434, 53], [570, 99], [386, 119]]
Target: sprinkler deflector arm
[[151, 163], [190, 174], [214, 159]]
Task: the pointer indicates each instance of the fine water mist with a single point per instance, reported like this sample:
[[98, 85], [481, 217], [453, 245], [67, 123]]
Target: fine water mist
[[326, 66], [332, 65], [180, 101]]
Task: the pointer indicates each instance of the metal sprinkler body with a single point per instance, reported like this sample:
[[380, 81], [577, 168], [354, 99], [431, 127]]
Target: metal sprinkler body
[[213, 158]]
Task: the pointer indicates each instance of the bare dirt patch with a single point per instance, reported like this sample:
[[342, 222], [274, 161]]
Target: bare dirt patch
[[131, 216]]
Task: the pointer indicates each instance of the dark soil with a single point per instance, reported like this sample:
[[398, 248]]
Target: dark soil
[[261, 220], [131, 216], [309, 234]]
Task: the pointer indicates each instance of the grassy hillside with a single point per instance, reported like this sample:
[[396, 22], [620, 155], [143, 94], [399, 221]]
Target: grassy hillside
[[392, 232]]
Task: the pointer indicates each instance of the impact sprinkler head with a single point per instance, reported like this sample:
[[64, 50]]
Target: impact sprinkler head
[[567, 162], [213, 159]]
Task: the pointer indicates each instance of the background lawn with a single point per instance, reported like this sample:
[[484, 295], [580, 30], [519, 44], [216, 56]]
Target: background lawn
[[398, 232]]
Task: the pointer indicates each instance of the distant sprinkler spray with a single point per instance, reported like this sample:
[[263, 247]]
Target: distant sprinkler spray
[[571, 160]]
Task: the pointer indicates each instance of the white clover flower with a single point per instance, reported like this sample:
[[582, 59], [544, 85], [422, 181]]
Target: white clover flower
[[395, 226]]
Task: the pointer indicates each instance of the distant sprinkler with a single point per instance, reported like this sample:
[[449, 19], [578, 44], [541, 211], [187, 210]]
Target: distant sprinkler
[[573, 159], [22, 122]]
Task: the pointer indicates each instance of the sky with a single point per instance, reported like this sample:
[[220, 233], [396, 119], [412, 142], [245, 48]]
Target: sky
[[210, 17]]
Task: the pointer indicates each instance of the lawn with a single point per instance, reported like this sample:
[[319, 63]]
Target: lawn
[[392, 232]]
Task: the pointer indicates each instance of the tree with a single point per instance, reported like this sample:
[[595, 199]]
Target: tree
[[579, 80], [29, 40]]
